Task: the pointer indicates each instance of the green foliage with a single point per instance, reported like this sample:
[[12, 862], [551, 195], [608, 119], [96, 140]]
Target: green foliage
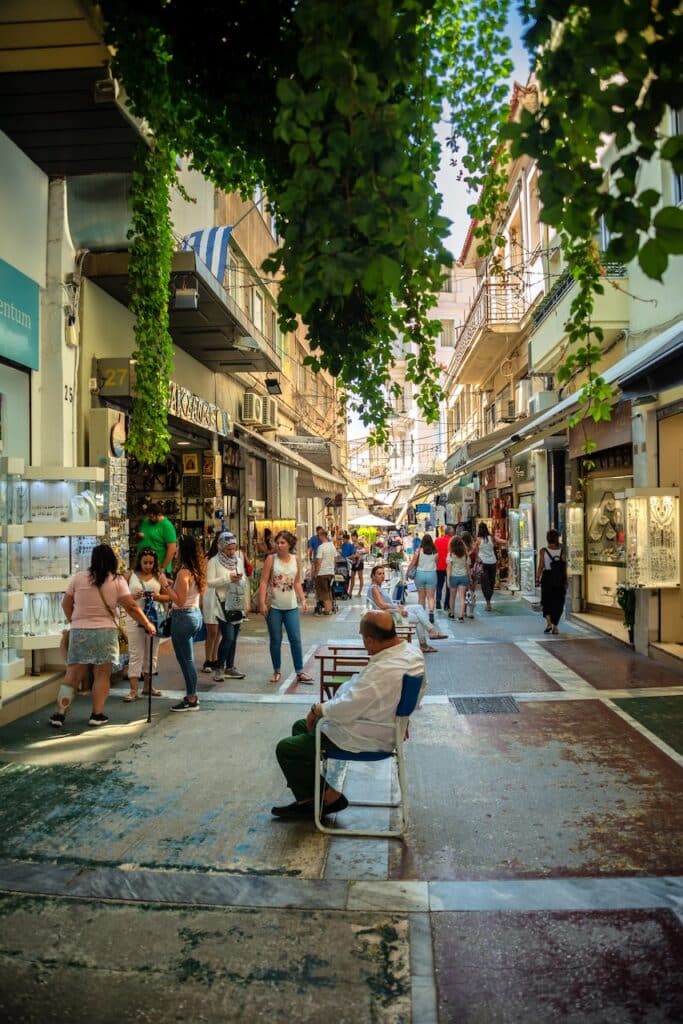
[[150, 270], [606, 70], [333, 109]]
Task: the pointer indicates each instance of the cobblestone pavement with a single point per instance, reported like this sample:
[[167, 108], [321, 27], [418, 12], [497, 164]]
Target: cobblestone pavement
[[142, 877]]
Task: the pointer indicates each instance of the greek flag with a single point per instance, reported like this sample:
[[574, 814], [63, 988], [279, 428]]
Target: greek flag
[[211, 245]]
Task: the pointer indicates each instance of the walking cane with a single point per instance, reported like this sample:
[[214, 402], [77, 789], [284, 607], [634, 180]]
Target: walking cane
[[150, 611]]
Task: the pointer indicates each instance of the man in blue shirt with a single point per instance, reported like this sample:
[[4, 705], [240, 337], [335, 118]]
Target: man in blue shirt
[[314, 543]]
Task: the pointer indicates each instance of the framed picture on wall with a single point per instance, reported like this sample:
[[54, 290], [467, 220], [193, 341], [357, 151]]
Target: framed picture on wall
[[190, 464]]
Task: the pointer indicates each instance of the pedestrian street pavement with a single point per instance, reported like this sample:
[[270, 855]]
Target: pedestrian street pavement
[[142, 876]]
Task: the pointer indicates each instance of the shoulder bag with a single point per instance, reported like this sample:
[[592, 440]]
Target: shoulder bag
[[123, 639]]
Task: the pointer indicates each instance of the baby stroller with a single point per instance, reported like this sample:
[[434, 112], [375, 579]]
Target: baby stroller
[[340, 582]]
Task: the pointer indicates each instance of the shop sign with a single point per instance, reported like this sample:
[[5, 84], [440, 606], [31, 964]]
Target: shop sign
[[193, 409], [424, 509], [605, 433], [19, 317], [117, 379], [523, 468]]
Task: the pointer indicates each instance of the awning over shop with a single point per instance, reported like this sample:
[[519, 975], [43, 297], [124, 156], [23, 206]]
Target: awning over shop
[[656, 371], [312, 482]]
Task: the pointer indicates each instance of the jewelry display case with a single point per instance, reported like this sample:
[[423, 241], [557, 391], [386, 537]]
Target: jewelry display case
[[12, 495], [527, 558], [605, 538], [52, 518], [653, 538], [571, 528], [514, 549]]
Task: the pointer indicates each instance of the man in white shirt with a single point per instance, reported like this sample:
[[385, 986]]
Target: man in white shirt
[[323, 570], [359, 717]]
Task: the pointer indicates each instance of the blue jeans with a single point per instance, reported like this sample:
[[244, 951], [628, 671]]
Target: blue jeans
[[226, 652], [184, 624], [290, 619]]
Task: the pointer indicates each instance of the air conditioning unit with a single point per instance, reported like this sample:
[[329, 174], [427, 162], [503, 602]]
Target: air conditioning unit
[[541, 401], [252, 409], [522, 396], [256, 508], [505, 410], [269, 413]]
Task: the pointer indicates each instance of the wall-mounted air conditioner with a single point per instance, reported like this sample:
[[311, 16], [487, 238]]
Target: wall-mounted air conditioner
[[269, 413], [252, 409], [541, 401], [505, 410]]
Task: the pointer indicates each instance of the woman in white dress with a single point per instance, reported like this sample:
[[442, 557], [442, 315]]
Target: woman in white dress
[[145, 578]]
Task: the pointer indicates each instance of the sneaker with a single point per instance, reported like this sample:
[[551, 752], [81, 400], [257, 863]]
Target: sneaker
[[98, 720], [219, 676], [431, 618], [234, 673], [185, 705], [57, 720], [209, 666]]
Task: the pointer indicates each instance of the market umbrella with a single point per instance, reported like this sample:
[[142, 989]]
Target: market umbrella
[[369, 520]]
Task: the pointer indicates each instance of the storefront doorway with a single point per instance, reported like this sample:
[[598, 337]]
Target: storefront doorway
[[671, 475]]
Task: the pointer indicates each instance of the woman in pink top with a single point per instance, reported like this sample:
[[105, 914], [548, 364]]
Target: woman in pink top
[[186, 618], [90, 605]]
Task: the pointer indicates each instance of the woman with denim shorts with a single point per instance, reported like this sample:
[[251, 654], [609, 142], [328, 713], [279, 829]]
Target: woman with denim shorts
[[424, 564], [459, 579]]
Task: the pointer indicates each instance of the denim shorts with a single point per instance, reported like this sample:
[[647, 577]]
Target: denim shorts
[[425, 579], [458, 581]]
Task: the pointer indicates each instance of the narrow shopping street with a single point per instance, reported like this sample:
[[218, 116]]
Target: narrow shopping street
[[541, 877]]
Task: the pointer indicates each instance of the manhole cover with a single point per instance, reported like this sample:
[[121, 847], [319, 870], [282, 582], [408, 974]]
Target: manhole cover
[[485, 705]]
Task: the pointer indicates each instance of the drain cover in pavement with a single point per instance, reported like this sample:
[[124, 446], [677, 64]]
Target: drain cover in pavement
[[484, 705]]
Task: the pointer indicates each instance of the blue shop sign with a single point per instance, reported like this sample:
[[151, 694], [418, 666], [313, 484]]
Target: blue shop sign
[[423, 508], [19, 309]]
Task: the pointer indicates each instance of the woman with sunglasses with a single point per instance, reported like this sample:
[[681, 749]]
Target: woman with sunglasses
[[146, 578]]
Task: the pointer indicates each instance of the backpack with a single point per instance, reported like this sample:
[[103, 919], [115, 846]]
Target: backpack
[[557, 573]]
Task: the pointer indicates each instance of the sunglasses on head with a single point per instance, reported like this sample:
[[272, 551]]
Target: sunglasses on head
[[148, 551]]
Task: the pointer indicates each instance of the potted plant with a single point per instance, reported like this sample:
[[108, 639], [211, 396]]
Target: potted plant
[[626, 597]]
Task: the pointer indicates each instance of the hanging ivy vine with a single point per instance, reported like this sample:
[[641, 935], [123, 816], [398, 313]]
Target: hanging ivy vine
[[149, 275], [333, 108]]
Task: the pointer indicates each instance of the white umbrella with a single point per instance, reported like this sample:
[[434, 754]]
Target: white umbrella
[[369, 520]]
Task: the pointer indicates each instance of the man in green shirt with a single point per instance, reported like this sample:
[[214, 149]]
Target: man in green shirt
[[157, 533]]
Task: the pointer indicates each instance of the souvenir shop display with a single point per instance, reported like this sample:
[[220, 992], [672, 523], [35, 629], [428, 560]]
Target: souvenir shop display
[[13, 495], [606, 533], [652, 537]]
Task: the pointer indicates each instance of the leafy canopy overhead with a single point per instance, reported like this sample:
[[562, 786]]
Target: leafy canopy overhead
[[333, 108]]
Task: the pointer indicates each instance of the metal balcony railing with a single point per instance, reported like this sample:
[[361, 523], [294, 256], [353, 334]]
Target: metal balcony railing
[[496, 303], [563, 284]]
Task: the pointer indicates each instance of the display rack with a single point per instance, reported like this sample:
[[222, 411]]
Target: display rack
[[653, 538], [12, 665], [52, 518], [571, 520]]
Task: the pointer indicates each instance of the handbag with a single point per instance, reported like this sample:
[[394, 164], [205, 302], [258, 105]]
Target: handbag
[[123, 639]]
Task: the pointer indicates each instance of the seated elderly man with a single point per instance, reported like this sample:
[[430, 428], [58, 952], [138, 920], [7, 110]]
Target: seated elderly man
[[359, 717]]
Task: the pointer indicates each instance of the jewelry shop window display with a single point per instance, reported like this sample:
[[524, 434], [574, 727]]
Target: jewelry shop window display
[[60, 510], [605, 538], [12, 493], [652, 538]]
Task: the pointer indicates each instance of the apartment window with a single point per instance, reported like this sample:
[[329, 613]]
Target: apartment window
[[677, 129], [447, 338], [490, 418], [257, 312]]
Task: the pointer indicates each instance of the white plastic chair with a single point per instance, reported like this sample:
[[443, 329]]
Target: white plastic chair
[[410, 692]]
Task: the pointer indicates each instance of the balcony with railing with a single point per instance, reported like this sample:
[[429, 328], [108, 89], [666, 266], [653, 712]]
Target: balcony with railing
[[610, 312], [498, 308]]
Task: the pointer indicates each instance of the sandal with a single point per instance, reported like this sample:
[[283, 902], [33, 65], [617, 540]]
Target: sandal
[[303, 677], [439, 636], [429, 650], [461, 618], [155, 693], [129, 698], [275, 678]]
